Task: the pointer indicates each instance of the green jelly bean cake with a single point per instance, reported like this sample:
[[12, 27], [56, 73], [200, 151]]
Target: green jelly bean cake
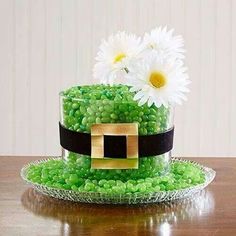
[[83, 106], [117, 134]]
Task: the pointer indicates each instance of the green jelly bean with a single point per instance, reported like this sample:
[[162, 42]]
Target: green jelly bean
[[82, 109], [73, 179], [75, 106]]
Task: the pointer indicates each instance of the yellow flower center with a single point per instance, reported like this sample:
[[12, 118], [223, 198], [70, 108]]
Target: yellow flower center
[[119, 57], [157, 79]]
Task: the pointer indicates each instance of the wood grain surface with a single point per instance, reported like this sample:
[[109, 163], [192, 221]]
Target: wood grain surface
[[26, 212]]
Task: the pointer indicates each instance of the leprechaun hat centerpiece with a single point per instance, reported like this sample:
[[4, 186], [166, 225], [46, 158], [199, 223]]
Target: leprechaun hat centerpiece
[[117, 134], [109, 136]]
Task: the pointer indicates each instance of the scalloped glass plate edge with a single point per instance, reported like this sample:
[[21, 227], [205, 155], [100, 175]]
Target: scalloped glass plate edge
[[136, 198]]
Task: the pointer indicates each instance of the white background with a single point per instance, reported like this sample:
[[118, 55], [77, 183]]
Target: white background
[[48, 45]]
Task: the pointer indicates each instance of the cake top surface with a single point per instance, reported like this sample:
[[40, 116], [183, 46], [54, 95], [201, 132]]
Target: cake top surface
[[116, 93]]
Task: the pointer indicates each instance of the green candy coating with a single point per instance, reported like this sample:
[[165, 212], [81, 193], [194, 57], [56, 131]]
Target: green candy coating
[[83, 106], [67, 178]]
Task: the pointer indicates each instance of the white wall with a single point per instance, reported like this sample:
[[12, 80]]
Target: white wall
[[48, 45]]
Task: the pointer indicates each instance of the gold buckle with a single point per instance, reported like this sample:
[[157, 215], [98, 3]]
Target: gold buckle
[[98, 161]]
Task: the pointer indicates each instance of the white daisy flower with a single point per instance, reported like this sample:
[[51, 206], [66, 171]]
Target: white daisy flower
[[115, 56], [163, 43], [160, 82]]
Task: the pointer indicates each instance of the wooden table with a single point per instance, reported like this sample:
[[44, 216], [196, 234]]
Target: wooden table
[[26, 212]]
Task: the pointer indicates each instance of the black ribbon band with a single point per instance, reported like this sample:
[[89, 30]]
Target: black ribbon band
[[115, 146]]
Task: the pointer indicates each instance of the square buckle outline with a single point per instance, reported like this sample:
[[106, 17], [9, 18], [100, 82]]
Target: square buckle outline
[[130, 130]]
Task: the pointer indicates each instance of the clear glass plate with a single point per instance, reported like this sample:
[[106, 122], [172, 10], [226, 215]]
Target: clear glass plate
[[134, 198]]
